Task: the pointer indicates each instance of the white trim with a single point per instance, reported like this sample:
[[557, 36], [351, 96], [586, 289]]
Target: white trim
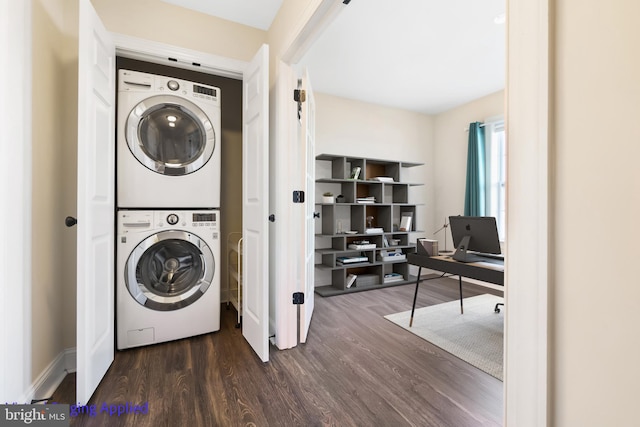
[[283, 164], [51, 377], [15, 187], [159, 53], [528, 259]]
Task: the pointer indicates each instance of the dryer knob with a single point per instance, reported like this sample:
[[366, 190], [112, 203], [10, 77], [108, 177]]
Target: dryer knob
[[172, 219], [173, 85]]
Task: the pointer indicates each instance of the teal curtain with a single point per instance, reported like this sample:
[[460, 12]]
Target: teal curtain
[[474, 198]]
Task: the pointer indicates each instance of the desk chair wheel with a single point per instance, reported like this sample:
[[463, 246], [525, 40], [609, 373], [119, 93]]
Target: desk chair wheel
[[497, 308]]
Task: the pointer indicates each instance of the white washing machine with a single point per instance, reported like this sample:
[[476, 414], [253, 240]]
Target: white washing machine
[[168, 142], [168, 283]]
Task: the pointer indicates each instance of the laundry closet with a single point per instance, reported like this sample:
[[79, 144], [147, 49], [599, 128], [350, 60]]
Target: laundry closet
[[173, 214]]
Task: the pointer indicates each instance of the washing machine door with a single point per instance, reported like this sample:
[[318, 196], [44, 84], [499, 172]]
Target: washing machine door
[[170, 135], [169, 270]]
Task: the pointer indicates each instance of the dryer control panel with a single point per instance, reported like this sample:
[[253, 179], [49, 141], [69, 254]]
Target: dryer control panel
[[136, 81]]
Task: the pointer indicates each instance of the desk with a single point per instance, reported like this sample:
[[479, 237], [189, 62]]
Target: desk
[[490, 270]]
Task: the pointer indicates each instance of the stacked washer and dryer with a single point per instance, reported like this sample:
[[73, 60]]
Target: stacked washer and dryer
[[168, 209]]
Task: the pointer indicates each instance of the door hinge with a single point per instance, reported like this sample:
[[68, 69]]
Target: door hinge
[[298, 298], [298, 196], [299, 95]]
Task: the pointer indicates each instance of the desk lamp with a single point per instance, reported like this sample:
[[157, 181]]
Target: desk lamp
[[444, 227]]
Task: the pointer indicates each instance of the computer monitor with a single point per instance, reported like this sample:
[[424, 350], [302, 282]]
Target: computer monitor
[[474, 233]]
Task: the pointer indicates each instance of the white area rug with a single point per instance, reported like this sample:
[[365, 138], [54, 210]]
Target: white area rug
[[475, 336]]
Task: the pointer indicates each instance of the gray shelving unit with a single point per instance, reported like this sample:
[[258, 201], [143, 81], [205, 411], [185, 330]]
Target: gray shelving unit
[[347, 221]]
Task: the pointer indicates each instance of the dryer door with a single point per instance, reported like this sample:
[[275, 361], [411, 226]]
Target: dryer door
[[169, 270], [170, 135]]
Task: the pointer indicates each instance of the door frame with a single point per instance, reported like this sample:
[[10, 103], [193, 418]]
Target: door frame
[[528, 117], [15, 185]]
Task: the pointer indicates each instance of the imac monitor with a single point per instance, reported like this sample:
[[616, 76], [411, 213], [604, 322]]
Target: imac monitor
[[475, 234]]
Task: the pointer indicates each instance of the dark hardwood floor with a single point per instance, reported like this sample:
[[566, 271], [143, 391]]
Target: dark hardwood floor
[[357, 369]]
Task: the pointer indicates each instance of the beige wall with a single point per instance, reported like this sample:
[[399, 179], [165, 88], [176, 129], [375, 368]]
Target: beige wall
[[450, 153], [345, 126], [595, 291], [53, 184], [166, 23]]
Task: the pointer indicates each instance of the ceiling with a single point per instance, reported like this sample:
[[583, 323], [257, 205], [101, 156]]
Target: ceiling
[[254, 13], [421, 55]]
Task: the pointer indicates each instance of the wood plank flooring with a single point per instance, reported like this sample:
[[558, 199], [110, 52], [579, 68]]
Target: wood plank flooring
[[357, 369]]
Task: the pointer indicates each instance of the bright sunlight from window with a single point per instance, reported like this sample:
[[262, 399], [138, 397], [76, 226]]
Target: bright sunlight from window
[[496, 173]]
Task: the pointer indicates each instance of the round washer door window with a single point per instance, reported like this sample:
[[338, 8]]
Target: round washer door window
[[169, 270], [170, 135]]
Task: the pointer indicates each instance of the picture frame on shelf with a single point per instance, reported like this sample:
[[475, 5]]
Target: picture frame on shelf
[[405, 221], [355, 172]]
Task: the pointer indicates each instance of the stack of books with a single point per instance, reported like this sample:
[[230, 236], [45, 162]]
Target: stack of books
[[382, 179], [366, 200], [345, 260], [362, 244], [374, 230], [392, 277]]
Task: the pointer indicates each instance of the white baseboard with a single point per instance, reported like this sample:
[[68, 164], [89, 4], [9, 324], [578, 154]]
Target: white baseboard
[[51, 377]]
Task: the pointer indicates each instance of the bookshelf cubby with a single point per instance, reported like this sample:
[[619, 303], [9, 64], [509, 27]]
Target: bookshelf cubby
[[370, 209]]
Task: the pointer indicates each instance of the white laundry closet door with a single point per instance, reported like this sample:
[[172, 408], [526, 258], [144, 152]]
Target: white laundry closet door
[[255, 203], [308, 142], [96, 194]]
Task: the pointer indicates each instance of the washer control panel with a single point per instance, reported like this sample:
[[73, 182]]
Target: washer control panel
[[180, 219], [172, 219], [134, 221]]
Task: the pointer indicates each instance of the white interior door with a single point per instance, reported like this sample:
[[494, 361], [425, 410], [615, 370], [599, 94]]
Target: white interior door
[[255, 203], [307, 140], [96, 192]]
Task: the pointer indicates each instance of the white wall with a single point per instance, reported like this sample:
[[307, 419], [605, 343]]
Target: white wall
[[451, 138], [595, 289]]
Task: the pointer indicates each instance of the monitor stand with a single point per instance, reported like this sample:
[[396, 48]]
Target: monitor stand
[[461, 253]]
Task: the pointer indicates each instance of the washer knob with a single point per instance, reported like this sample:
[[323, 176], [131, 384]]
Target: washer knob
[[173, 85], [172, 219]]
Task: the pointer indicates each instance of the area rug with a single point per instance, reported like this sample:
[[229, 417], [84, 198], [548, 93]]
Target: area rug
[[475, 336]]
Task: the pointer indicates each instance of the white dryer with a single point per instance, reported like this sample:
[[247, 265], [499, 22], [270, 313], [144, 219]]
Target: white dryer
[[168, 142], [168, 283]]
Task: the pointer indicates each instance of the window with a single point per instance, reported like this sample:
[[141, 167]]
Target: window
[[496, 173]]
